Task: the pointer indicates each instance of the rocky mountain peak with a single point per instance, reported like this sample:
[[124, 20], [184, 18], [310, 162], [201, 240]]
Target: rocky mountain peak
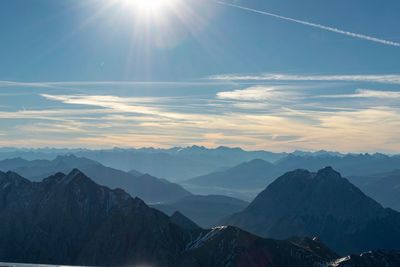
[[76, 176], [183, 222], [56, 178], [12, 178], [328, 173], [301, 203]]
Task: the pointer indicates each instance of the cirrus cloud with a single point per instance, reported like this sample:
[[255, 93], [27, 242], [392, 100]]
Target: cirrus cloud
[[369, 78]]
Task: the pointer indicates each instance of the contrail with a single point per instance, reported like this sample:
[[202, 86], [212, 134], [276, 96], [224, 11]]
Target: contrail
[[315, 25]]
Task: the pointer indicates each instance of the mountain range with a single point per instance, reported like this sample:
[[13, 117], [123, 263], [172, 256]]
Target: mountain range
[[166, 196], [348, 165], [69, 219], [247, 179], [147, 187], [323, 204], [182, 163], [175, 164]]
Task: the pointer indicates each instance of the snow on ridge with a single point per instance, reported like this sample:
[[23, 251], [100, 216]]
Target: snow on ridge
[[339, 261], [203, 238]]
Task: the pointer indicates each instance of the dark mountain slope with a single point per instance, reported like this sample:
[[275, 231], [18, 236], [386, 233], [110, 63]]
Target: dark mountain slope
[[183, 222], [219, 245], [323, 204], [206, 211], [68, 219], [369, 259]]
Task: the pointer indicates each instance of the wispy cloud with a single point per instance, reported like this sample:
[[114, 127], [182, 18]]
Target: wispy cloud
[[384, 78], [280, 128], [255, 93], [51, 114], [367, 93], [278, 117], [63, 127], [137, 105], [95, 84], [315, 25]]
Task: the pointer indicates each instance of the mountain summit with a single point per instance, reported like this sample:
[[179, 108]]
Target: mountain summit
[[323, 204]]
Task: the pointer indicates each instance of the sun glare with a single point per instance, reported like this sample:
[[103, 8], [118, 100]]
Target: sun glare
[[157, 23], [149, 6]]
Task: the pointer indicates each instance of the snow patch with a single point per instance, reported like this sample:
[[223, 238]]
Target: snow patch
[[203, 238], [339, 261]]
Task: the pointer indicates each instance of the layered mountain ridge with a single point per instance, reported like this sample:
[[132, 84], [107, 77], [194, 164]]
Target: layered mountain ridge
[[69, 219], [247, 179], [147, 187]]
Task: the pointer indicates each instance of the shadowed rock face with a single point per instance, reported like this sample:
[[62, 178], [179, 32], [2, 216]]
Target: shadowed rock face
[[324, 204], [206, 211], [68, 219], [217, 246], [183, 222]]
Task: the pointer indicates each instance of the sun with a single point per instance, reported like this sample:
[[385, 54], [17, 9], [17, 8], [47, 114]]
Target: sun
[[160, 24], [149, 6]]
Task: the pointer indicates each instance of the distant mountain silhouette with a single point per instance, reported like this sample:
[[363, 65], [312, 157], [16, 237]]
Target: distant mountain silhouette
[[250, 178], [323, 204], [175, 164], [135, 173], [248, 175], [182, 163], [148, 188], [179, 163], [384, 188], [12, 163], [206, 211], [320, 153], [348, 165], [68, 219], [40, 167]]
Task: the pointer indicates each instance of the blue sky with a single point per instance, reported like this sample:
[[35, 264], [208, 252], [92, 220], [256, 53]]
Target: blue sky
[[106, 73]]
